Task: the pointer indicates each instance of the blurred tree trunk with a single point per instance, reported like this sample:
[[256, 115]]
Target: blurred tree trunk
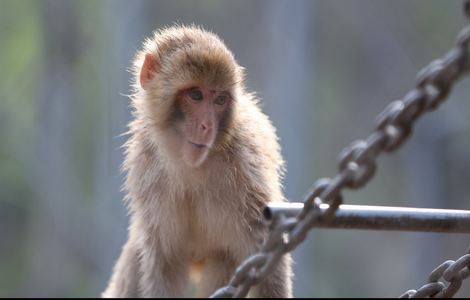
[[288, 100], [426, 171], [55, 179], [125, 29], [73, 236]]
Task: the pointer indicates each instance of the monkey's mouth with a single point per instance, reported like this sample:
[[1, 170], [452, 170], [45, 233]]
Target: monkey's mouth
[[200, 146]]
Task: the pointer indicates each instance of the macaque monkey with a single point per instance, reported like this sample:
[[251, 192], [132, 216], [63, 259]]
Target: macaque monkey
[[201, 161]]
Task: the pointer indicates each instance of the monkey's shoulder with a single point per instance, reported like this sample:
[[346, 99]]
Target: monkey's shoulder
[[257, 139]]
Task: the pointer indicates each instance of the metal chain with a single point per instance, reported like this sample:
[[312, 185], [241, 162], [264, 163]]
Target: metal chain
[[357, 165], [451, 271]]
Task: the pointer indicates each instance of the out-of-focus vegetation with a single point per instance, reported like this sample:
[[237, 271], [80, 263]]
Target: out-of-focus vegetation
[[323, 69]]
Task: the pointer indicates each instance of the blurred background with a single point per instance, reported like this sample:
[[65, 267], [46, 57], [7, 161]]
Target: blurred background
[[324, 70]]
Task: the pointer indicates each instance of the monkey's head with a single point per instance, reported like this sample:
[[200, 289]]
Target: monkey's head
[[187, 83]]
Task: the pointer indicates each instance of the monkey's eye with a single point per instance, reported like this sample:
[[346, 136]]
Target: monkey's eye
[[220, 100], [195, 94]]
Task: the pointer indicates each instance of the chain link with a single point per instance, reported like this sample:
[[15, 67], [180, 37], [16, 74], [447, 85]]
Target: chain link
[[452, 273], [357, 165]]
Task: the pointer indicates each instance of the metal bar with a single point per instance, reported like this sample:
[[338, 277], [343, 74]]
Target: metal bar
[[382, 217]]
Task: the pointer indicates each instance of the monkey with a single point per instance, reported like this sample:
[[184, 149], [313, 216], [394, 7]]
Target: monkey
[[201, 162]]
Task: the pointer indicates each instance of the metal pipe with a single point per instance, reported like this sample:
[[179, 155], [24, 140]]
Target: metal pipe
[[382, 217]]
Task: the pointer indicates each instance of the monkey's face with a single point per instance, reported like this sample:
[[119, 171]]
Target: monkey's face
[[203, 112], [191, 84]]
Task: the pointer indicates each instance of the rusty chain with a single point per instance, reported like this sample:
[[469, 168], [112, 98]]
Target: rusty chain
[[357, 165]]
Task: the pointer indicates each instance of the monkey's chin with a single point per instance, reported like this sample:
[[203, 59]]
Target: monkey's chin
[[194, 155]]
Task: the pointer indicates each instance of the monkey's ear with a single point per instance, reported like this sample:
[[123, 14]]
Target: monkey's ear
[[149, 68]]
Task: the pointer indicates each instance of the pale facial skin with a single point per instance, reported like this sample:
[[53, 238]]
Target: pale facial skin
[[203, 110]]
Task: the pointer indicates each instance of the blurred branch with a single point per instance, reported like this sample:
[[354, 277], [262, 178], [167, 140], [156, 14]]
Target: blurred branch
[[466, 8]]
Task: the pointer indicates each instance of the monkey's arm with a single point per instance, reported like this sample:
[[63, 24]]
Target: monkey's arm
[[124, 281]]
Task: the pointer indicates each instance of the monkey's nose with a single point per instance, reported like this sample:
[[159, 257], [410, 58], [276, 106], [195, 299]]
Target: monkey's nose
[[206, 126]]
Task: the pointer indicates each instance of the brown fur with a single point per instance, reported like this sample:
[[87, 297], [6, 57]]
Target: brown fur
[[209, 216]]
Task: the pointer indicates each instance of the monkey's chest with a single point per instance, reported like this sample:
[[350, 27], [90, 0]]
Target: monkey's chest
[[207, 231], [209, 228]]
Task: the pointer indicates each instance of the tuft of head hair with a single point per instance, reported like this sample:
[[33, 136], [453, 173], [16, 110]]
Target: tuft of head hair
[[191, 53]]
